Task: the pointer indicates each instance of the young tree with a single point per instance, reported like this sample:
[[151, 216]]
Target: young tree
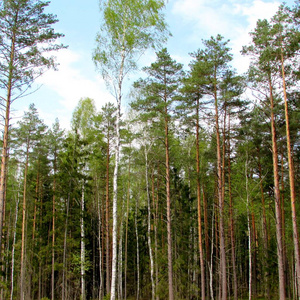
[[129, 28], [26, 35]]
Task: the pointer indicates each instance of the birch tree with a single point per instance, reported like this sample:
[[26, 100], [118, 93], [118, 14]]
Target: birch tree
[[129, 28]]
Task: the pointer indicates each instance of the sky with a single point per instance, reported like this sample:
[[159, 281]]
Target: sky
[[189, 21]]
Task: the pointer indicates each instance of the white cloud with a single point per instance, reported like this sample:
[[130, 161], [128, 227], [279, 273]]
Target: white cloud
[[233, 19], [71, 85]]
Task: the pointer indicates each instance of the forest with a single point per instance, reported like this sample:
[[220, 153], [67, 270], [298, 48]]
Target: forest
[[192, 191]]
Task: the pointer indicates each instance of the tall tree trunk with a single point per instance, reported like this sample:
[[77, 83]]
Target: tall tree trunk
[[53, 229], [137, 252], [115, 182], [13, 249], [82, 246], [107, 240], [277, 199], [35, 201], [265, 230], [207, 250], [169, 226], [100, 242], [120, 260], [64, 277], [126, 231], [4, 158], [211, 255], [249, 229], [149, 227], [155, 208], [291, 179], [199, 205], [231, 218], [254, 252], [221, 205], [22, 271]]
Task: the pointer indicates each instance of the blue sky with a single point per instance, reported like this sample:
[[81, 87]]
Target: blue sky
[[190, 21]]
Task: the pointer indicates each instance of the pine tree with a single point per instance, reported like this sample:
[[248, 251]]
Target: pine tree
[[155, 100], [26, 35]]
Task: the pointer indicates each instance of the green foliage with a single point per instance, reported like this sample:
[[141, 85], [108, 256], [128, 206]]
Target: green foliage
[[129, 28], [28, 29]]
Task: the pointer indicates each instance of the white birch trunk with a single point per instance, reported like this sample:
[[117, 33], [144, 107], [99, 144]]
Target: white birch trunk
[[149, 227], [120, 265], [115, 181], [82, 247]]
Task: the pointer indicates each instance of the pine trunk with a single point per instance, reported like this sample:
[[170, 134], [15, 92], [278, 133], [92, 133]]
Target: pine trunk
[[291, 179], [202, 269], [169, 226], [4, 159], [22, 271], [231, 220], [223, 276], [13, 249], [277, 200]]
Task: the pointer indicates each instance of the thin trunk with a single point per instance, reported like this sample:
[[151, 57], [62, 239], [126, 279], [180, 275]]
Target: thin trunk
[[265, 229], [199, 205], [4, 159], [22, 271], [207, 249], [13, 249], [137, 252], [231, 218], [291, 179], [115, 182], [254, 252], [35, 202], [169, 226], [82, 246], [211, 256], [100, 244], [277, 199], [155, 206], [64, 279], [53, 230], [221, 205], [107, 257], [126, 233], [149, 227], [249, 230], [120, 260]]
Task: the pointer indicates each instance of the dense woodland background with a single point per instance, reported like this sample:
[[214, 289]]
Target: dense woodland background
[[204, 183]]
